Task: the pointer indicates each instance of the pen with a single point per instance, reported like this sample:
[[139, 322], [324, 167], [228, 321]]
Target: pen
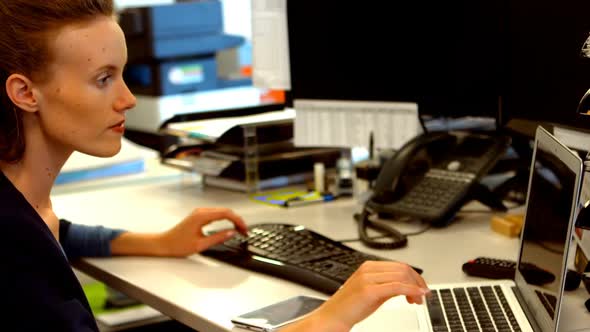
[[303, 200]]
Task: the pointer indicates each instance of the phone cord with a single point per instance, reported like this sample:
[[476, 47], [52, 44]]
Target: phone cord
[[395, 238]]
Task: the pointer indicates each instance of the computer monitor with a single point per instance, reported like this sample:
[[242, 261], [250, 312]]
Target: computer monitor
[[443, 55], [547, 50]]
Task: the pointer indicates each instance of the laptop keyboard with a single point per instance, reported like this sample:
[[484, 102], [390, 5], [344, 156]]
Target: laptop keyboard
[[471, 309]]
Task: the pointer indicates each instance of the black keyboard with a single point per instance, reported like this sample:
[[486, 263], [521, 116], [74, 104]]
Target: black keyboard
[[306, 257]]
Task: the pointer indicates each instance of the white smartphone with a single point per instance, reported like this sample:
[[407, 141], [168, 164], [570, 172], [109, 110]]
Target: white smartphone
[[278, 314]]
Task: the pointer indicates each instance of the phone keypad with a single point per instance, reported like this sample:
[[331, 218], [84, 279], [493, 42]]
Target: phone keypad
[[437, 192]]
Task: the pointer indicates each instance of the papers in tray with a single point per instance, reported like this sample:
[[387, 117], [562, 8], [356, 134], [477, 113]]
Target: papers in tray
[[210, 130], [268, 183]]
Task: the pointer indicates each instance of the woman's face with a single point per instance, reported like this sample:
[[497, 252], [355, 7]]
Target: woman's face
[[83, 99]]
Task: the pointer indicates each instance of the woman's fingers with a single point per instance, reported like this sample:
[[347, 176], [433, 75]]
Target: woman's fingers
[[209, 215], [392, 279], [214, 239], [401, 269], [395, 288]]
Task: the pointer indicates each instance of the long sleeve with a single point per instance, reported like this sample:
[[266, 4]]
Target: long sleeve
[[86, 241]]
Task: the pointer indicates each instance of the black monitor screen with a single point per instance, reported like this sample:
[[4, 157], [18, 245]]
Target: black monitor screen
[[549, 66], [444, 55]]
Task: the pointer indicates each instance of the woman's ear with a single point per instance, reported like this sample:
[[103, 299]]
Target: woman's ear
[[20, 91]]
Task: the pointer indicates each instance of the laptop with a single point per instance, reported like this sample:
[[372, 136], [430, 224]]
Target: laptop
[[528, 303]]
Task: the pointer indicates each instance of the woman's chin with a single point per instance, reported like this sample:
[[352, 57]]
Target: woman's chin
[[103, 151]]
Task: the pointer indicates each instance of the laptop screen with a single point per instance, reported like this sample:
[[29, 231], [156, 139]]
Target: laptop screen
[[553, 188]]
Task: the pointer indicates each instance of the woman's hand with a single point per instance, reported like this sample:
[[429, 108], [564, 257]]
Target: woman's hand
[[365, 291], [186, 238]]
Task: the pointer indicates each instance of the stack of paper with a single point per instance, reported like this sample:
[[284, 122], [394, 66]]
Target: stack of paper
[[211, 130]]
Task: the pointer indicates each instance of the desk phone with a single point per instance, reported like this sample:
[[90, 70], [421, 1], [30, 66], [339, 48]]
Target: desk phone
[[432, 176]]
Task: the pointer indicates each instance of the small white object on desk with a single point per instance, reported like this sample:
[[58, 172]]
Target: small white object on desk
[[318, 177]]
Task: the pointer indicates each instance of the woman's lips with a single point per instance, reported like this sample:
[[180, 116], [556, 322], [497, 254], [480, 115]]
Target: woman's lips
[[119, 127]]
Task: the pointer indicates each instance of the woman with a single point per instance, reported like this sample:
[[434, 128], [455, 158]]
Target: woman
[[61, 64]]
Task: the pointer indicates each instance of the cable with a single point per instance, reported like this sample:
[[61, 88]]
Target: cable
[[584, 328], [474, 211], [358, 239], [418, 232], [467, 211], [422, 124], [548, 248], [395, 239]]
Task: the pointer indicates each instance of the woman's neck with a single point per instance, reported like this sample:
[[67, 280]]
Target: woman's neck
[[35, 174], [33, 177]]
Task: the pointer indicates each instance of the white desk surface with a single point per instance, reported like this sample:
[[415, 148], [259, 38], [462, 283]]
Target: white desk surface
[[204, 293]]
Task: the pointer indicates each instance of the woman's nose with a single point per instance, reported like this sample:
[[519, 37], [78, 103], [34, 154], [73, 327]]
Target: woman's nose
[[126, 100]]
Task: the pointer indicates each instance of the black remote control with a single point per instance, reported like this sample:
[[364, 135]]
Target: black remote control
[[495, 268], [491, 268]]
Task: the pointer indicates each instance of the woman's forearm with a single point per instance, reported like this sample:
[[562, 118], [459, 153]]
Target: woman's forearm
[[140, 244]]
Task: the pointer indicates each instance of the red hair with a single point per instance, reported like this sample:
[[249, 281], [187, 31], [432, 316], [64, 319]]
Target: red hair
[[24, 48]]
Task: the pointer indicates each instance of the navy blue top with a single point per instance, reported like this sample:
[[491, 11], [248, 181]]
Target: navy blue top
[[86, 241], [38, 287]]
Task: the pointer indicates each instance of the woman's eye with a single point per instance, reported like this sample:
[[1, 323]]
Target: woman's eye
[[103, 80]]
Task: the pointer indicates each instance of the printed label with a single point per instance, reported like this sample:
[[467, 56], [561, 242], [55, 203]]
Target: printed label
[[186, 74]]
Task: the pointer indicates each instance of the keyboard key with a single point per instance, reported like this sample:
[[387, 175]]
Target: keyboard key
[[437, 317]]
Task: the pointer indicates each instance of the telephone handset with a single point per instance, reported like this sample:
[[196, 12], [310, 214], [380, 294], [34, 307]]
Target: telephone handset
[[430, 178], [396, 166]]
